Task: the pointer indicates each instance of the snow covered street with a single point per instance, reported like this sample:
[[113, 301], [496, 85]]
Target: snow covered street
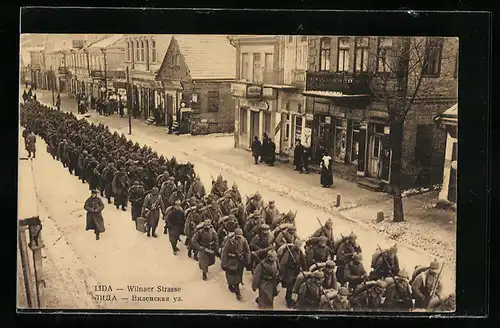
[[124, 257]]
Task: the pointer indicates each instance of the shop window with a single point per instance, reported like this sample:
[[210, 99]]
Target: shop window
[[340, 139], [245, 66], [432, 57], [324, 55], [257, 69], [243, 121], [213, 101], [384, 47], [343, 55], [361, 53]]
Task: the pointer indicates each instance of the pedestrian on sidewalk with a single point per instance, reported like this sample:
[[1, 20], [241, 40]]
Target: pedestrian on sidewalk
[[256, 149], [297, 156], [30, 144], [326, 179], [272, 152], [305, 160], [95, 221], [265, 149], [121, 107]]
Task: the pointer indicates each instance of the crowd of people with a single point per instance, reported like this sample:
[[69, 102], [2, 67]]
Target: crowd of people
[[321, 272]]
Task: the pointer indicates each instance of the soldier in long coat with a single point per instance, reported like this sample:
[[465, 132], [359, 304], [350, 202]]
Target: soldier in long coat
[[151, 208], [197, 189], [235, 194], [347, 248], [177, 195], [287, 236], [234, 258], [261, 244], [31, 144], [422, 286], [81, 166], [354, 272], [100, 169], [136, 197], [193, 218], [319, 252], [206, 243], [325, 231], [369, 297], [94, 206], [398, 295], [336, 301], [166, 189], [253, 221], [291, 264], [328, 268], [386, 264], [219, 187], [265, 279], [227, 204], [108, 174], [175, 224], [310, 292], [270, 213], [120, 189], [227, 224]]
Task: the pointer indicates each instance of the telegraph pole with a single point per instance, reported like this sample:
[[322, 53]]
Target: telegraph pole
[[105, 73], [129, 104], [52, 84]]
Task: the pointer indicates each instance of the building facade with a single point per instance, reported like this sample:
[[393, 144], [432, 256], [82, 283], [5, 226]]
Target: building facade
[[196, 76], [37, 67], [144, 54], [349, 81]]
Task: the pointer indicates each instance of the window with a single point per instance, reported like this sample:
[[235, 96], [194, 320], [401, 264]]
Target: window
[[257, 68], [268, 62], [324, 54], [432, 57], [153, 50], [128, 51], [245, 67], [142, 51], [147, 50], [340, 140], [243, 121], [384, 47], [213, 101], [361, 53], [343, 55], [137, 51], [132, 51], [177, 60], [355, 138]]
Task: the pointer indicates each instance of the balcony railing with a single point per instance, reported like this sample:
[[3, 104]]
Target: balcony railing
[[338, 82]]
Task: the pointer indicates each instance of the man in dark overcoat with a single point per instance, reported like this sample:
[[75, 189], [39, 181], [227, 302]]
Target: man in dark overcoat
[[256, 149], [194, 218], [136, 197], [151, 208], [291, 264], [94, 206], [120, 188], [265, 279], [206, 243], [30, 144], [234, 258], [174, 222], [265, 149]]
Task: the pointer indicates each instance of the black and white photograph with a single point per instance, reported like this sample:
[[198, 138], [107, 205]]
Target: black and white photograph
[[238, 172]]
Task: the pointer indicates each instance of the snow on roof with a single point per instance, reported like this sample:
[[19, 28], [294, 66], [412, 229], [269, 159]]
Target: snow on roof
[[208, 56], [107, 41], [330, 94]]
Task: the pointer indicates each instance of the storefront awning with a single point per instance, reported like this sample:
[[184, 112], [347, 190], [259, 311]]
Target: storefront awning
[[331, 94]]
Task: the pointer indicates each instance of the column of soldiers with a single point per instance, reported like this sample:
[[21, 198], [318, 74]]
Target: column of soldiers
[[326, 274]]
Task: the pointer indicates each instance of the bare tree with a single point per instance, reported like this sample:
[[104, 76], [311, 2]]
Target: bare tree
[[402, 69]]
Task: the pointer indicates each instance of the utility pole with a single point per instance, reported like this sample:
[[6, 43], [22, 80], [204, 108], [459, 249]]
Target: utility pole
[[52, 75], [105, 73], [129, 104]]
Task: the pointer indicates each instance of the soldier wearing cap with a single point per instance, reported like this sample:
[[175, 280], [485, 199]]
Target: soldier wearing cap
[[270, 213], [427, 286], [287, 236], [385, 264], [369, 297], [253, 221], [354, 272], [234, 258], [193, 218], [151, 208], [325, 231], [345, 251], [95, 221], [310, 292], [291, 264], [235, 194], [136, 197], [197, 189], [167, 188], [261, 244], [177, 195], [319, 252], [227, 225], [398, 294], [265, 279], [330, 280], [206, 243], [336, 300], [174, 223]]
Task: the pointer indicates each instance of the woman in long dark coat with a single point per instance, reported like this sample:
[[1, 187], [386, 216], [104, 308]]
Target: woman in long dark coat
[[95, 221], [326, 171]]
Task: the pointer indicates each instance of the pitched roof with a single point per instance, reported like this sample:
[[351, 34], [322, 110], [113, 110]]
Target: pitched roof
[[107, 41], [208, 56]]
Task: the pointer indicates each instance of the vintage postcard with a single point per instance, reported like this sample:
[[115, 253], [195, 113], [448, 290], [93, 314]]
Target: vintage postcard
[[237, 172]]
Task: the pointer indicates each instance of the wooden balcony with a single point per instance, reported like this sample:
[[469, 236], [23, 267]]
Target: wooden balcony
[[338, 82]]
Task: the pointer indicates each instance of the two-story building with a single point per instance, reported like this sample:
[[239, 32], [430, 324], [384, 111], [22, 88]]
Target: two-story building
[[196, 76], [107, 66], [56, 61], [144, 55], [37, 65], [348, 87]]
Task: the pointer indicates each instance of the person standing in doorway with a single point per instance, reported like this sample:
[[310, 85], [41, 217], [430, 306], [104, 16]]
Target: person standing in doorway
[[297, 156], [256, 149]]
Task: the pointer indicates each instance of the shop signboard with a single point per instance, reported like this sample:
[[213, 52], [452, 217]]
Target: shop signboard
[[238, 90], [320, 108], [254, 91]]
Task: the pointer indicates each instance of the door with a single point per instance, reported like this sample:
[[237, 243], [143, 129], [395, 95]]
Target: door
[[254, 125], [386, 160], [375, 155]]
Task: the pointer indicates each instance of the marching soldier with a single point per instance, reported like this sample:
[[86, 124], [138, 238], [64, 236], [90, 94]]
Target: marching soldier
[[206, 244], [291, 264], [270, 213], [227, 204], [354, 272], [100, 169], [31, 144], [347, 248], [94, 206], [193, 218], [253, 221], [369, 296], [427, 286], [120, 188], [325, 231], [385, 263], [136, 196], [167, 189], [265, 279], [162, 178], [235, 194], [177, 195], [253, 205], [227, 225], [398, 294], [328, 268], [319, 252], [261, 244], [219, 187], [151, 208], [175, 224], [109, 174], [197, 189], [287, 236], [335, 300], [310, 292], [234, 258]]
